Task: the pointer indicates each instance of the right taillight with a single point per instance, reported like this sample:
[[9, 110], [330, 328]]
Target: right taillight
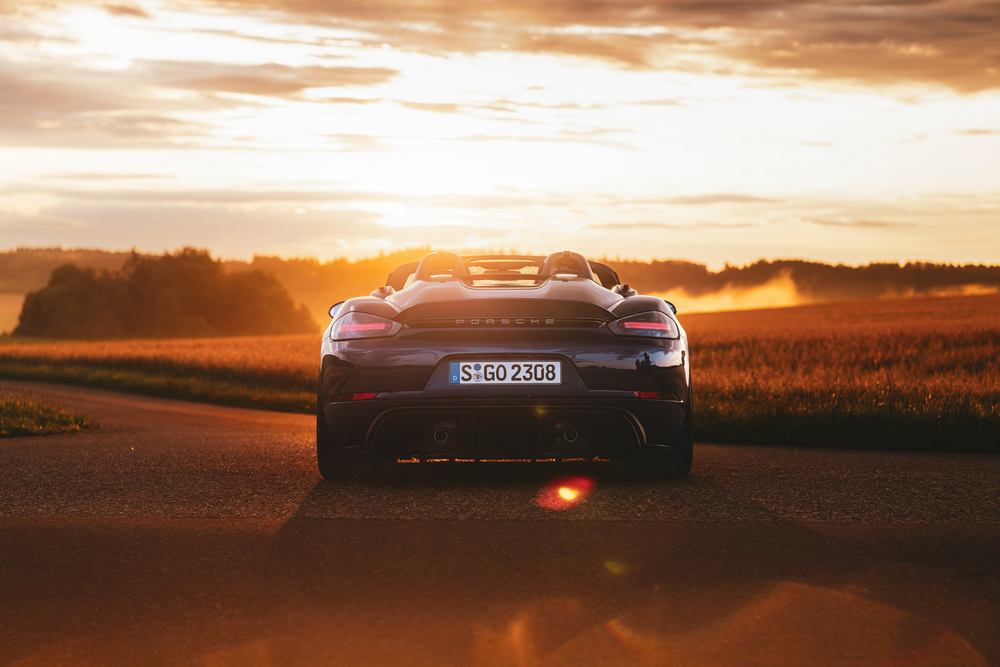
[[648, 325], [355, 325]]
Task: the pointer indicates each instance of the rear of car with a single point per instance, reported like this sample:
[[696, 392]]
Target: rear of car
[[502, 359]]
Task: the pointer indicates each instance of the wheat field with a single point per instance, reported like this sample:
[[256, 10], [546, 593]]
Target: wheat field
[[907, 373]]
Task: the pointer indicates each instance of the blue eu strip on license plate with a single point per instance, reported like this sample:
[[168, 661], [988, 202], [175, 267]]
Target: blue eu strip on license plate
[[529, 371]]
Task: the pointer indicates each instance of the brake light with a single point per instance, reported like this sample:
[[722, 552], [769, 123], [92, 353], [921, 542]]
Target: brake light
[[653, 324], [355, 325]]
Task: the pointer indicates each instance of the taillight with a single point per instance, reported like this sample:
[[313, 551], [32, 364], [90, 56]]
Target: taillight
[[355, 325], [652, 325]]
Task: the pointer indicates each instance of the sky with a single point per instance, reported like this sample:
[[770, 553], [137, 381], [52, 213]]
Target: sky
[[718, 131]]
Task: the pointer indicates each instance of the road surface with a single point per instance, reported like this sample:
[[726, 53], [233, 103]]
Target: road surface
[[178, 533]]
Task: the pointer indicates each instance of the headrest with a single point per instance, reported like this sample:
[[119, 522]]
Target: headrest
[[441, 266], [567, 262]]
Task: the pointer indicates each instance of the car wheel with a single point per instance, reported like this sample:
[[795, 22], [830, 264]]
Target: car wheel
[[331, 464], [677, 462], [672, 464]]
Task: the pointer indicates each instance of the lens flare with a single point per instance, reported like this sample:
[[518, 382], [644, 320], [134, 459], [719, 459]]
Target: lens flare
[[562, 494], [568, 493], [615, 567]]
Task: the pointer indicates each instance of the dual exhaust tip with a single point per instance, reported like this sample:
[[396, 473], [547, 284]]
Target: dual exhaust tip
[[443, 435]]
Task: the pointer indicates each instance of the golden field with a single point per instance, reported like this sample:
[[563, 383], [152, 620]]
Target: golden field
[[908, 373]]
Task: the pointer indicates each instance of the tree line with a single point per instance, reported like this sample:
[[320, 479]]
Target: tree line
[[318, 283], [187, 293]]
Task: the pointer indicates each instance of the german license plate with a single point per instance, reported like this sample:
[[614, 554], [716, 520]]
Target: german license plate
[[505, 372]]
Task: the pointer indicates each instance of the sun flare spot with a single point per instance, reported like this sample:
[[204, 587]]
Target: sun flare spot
[[568, 493], [564, 493]]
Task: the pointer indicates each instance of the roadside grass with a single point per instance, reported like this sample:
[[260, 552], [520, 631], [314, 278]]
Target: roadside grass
[[21, 415], [918, 374], [144, 380]]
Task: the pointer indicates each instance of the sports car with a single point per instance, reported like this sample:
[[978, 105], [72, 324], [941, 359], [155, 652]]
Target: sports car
[[505, 358]]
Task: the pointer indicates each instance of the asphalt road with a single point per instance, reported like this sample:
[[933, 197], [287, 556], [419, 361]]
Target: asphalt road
[[178, 533]]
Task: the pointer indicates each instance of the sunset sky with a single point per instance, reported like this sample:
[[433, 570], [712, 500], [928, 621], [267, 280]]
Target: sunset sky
[[713, 131]]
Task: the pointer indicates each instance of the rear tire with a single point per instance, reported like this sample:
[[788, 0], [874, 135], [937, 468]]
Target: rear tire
[[677, 463], [672, 464], [331, 464]]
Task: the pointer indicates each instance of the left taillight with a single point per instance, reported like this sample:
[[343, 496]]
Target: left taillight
[[351, 326]]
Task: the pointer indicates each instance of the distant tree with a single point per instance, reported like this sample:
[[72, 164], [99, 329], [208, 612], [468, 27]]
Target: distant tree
[[167, 318], [182, 294]]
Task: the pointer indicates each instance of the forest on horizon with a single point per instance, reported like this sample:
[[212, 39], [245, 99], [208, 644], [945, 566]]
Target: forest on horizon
[[317, 284]]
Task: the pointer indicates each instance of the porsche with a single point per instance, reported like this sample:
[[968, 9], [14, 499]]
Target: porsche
[[505, 358]]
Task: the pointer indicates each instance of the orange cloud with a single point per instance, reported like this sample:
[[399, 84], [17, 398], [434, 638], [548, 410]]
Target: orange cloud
[[127, 10], [951, 42], [268, 79]]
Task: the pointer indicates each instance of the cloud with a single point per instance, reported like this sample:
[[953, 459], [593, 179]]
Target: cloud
[[232, 196], [352, 100], [14, 33], [713, 198], [437, 107], [269, 79], [949, 42], [357, 142], [694, 226], [100, 176], [512, 199], [502, 106], [154, 227], [241, 232], [979, 132], [659, 102], [38, 91], [127, 130], [597, 136], [872, 224], [133, 11], [60, 104], [51, 106]]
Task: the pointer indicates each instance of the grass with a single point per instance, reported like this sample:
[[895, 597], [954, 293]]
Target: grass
[[905, 374], [20, 415]]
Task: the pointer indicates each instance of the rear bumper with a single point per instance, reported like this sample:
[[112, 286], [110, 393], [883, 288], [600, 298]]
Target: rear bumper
[[503, 428], [592, 412]]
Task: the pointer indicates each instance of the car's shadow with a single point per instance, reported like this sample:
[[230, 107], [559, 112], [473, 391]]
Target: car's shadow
[[463, 565]]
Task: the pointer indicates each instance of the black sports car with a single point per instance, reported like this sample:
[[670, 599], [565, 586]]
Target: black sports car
[[505, 358]]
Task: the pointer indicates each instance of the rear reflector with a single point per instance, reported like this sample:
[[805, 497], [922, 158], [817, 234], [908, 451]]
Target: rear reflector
[[366, 396], [649, 394]]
